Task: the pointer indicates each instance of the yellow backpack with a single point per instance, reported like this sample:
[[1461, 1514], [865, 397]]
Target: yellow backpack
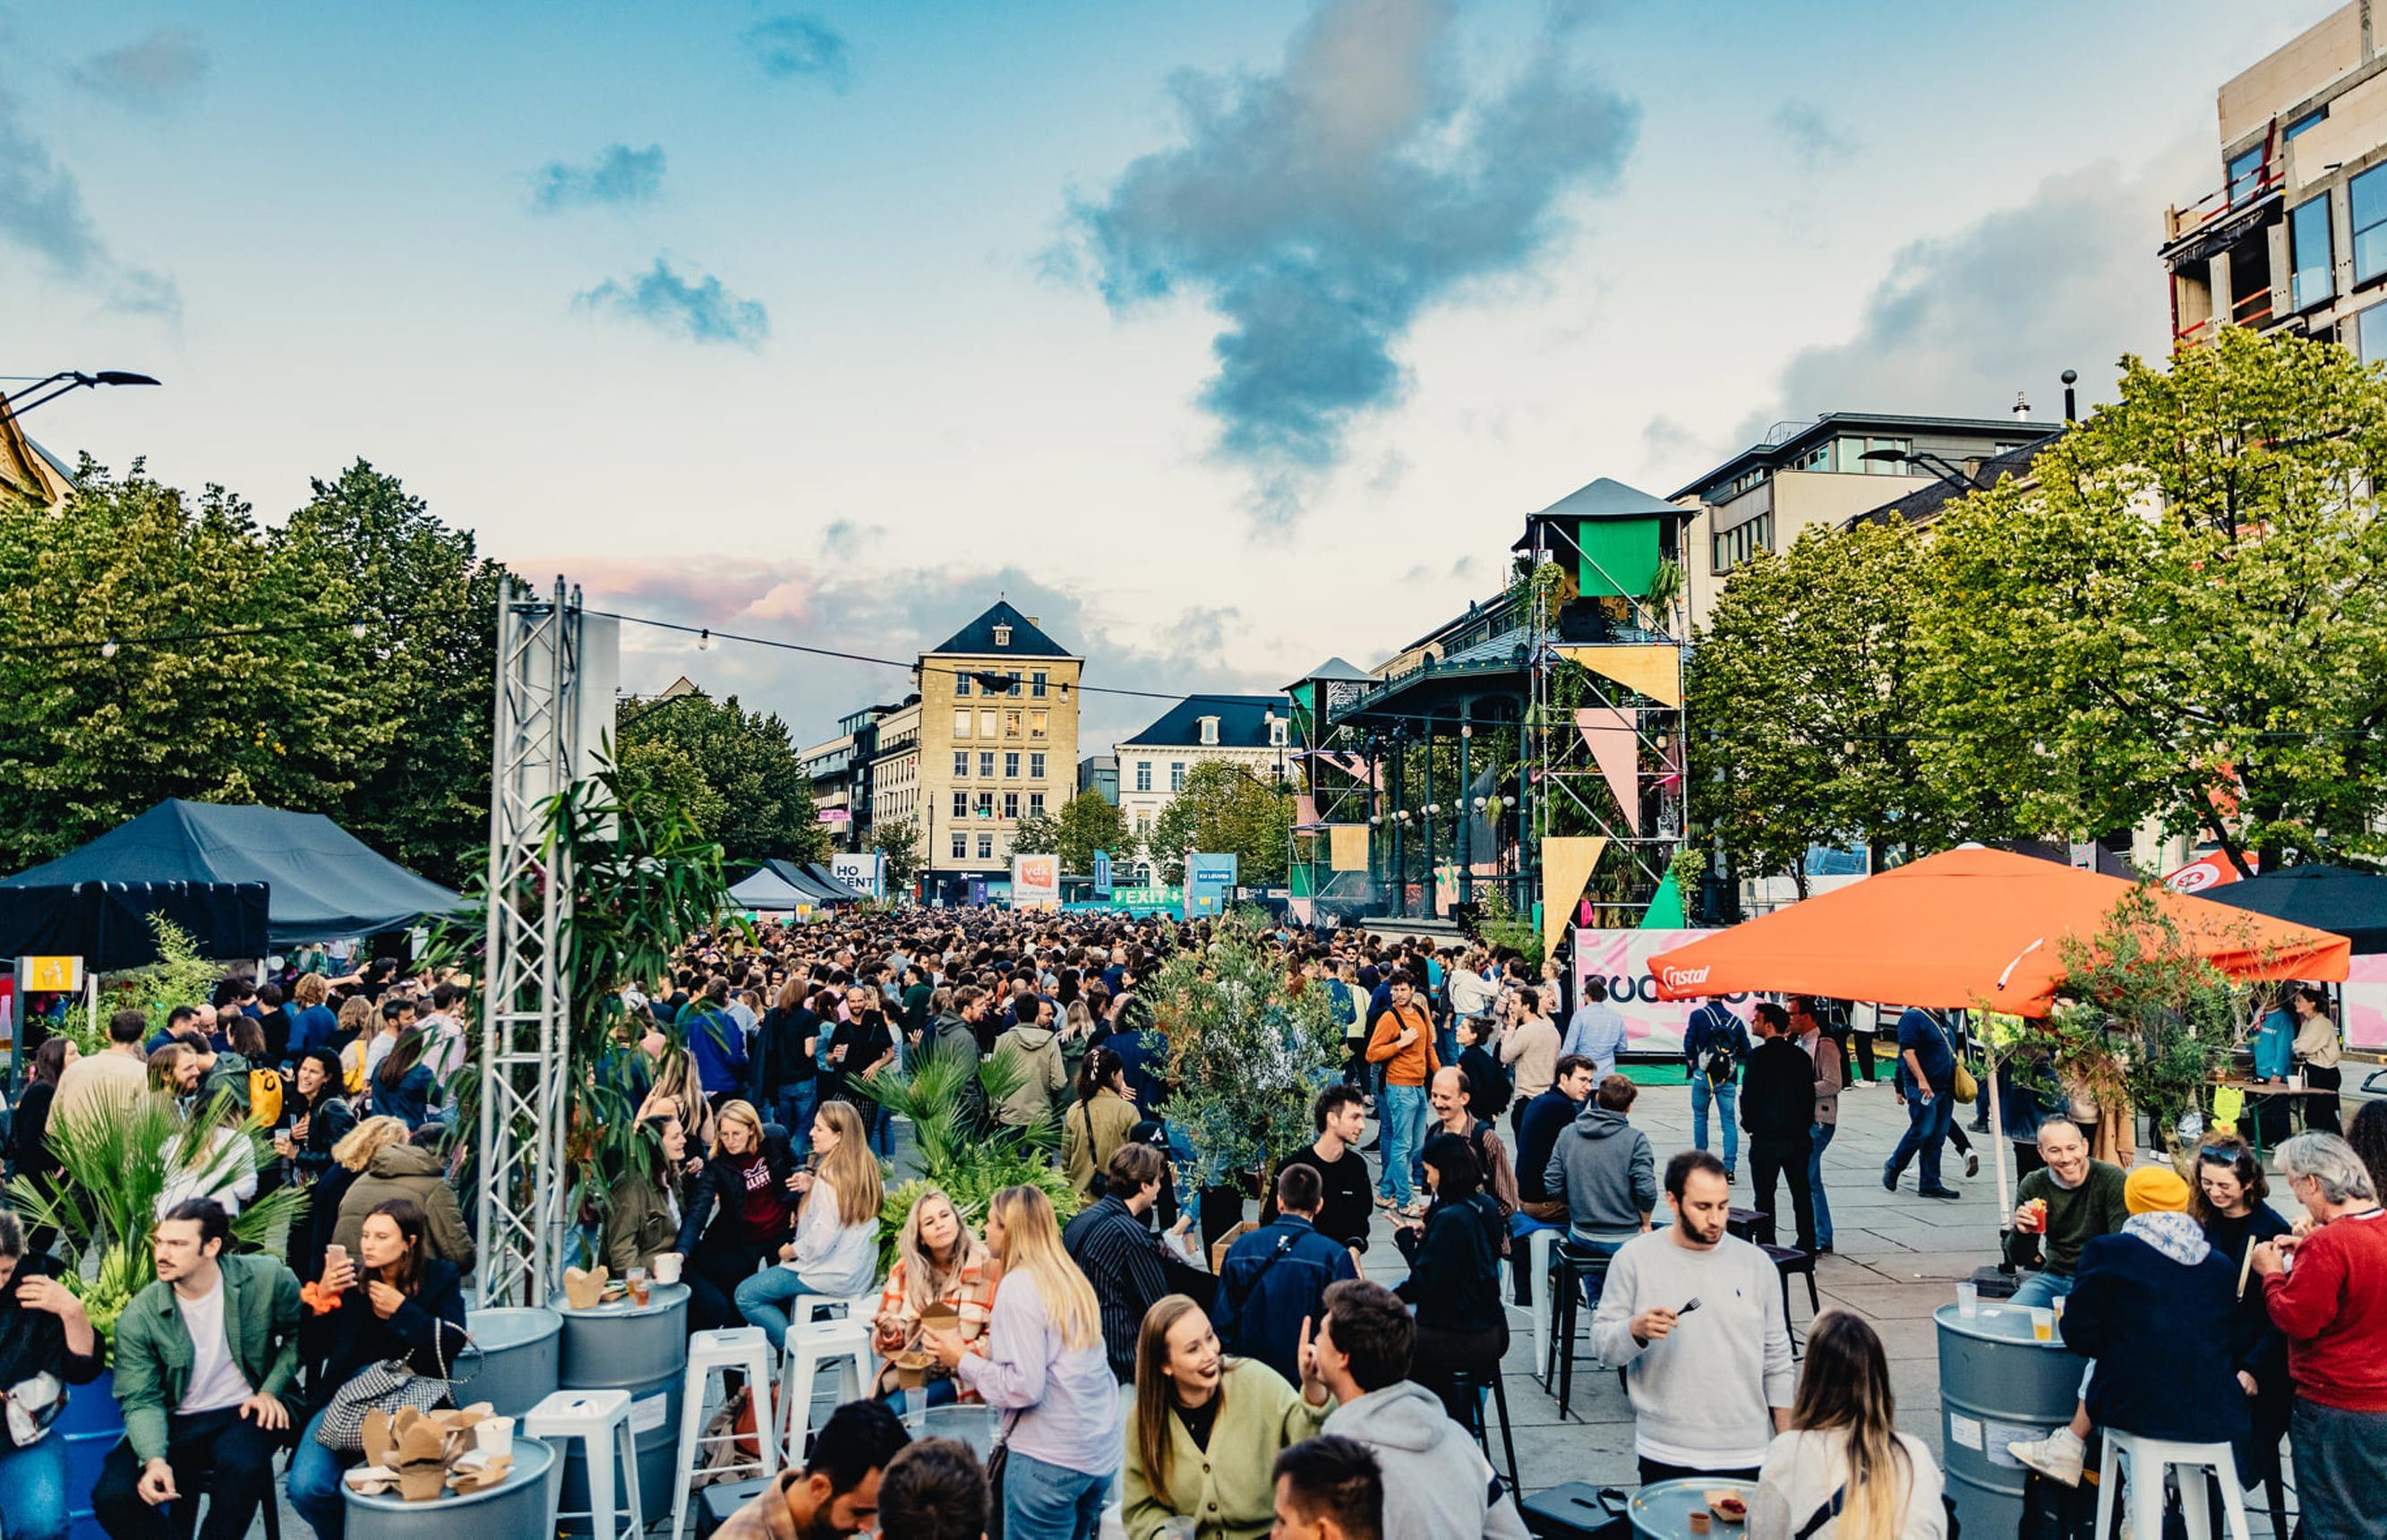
[[265, 1096]]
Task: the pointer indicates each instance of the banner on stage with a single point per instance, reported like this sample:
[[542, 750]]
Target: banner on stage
[[1621, 960]]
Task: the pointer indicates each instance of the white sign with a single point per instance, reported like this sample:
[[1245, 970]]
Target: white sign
[[1621, 960], [1035, 881], [861, 872]]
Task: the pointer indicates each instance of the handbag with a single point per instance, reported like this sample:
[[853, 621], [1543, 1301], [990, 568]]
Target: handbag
[[1963, 1088], [998, 1461], [389, 1385]]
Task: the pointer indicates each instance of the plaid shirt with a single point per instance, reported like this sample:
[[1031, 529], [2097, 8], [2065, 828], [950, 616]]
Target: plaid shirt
[[971, 1292]]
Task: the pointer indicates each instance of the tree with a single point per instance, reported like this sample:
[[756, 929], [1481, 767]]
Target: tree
[[1089, 823], [1804, 706], [898, 840], [255, 691], [2184, 618], [1037, 834], [430, 603], [765, 799], [1225, 809]]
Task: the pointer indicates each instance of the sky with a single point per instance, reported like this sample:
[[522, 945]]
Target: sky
[[1221, 338]]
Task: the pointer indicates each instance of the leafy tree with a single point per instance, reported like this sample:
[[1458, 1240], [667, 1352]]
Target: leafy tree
[[1037, 834], [898, 840], [1089, 823], [430, 605], [1225, 809], [749, 764], [2184, 618], [259, 694], [659, 767]]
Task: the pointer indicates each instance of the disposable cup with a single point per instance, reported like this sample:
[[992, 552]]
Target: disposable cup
[[2042, 1324], [1968, 1299], [666, 1266], [495, 1435]]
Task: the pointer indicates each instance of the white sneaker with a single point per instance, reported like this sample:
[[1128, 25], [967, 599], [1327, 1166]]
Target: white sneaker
[[2057, 1456]]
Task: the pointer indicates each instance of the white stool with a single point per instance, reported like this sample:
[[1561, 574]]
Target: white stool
[[739, 1347], [2148, 1459], [1539, 1243], [812, 1346], [600, 1420], [812, 1308]]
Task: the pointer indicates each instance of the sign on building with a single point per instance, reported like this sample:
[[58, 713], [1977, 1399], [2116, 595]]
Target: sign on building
[[1035, 881], [864, 871]]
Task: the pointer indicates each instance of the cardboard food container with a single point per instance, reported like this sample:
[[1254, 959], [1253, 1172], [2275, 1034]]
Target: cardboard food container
[[940, 1318], [583, 1290], [912, 1369], [1218, 1247]]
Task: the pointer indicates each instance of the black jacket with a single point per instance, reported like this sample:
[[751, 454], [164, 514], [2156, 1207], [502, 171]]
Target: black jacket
[[723, 1183], [34, 1342], [1778, 1091], [353, 1337], [328, 1122], [28, 1133], [2161, 1332], [1454, 1265]]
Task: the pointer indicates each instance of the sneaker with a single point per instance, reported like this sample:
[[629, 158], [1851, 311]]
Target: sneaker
[[1416, 1210], [1731, 1174], [1972, 1164], [1947, 1193], [2056, 1457]]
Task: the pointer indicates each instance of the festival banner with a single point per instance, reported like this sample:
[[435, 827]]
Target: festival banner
[[1621, 960], [1035, 881], [2366, 1004]]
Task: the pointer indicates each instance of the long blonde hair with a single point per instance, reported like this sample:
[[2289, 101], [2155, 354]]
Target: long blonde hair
[[368, 1138], [1031, 1244], [1844, 1387], [924, 1281], [1153, 1392], [850, 1171]]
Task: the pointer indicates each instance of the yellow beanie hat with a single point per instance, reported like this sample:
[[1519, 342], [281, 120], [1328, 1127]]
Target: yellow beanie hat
[[2155, 1189]]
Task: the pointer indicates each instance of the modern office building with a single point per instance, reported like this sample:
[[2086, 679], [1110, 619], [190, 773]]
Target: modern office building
[[1100, 773]]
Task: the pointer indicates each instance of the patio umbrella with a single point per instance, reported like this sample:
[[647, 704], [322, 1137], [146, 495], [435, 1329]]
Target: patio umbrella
[[2351, 903], [1969, 928]]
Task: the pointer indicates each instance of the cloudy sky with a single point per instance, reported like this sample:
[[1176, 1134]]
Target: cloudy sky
[[1220, 336]]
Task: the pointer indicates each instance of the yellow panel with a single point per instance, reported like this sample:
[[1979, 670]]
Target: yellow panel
[[1567, 861], [1654, 671], [1347, 847]]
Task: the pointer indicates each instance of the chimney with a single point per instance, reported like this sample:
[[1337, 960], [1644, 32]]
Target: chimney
[[1034, 621], [2021, 407]]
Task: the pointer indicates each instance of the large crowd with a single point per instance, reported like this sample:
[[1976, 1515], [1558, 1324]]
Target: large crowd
[[1301, 1385]]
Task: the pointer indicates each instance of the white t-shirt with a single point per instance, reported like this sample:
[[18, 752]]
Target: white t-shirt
[[216, 1381]]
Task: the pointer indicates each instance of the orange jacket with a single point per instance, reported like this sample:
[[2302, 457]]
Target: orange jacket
[[1414, 1064]]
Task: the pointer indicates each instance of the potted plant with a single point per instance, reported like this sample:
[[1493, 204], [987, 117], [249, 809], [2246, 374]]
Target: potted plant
[[969, 1164]]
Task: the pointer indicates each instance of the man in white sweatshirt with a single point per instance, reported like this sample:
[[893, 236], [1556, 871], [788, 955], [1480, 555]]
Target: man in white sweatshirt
[[1694, 1318], [1437, 1483]]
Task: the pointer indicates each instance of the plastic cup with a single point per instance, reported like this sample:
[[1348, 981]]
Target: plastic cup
[[667, 1265], [495, 1435], [2042, 1324], [637, 1278], [1968, 1299]]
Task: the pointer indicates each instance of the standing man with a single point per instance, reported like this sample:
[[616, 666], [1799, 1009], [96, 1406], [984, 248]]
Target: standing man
[[2068, 1202], [1447, 1098], [1930, 1062], [1545, 1117], [717, 1040], [1275, 1277], [1472, 995], [1529, 1045], [117, 1077], [1831, 1061], [1401, 1039], [1340, 1114], [1778, 1106], [1714, 1043], [1596, 1031], [1694, 1317], [202, 1359]]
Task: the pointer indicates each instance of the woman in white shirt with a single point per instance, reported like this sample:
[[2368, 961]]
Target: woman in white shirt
[[836, 1248], [1843, 1470]]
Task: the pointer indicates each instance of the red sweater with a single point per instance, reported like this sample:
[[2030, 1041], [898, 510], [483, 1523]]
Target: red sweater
[[2332, 1305]]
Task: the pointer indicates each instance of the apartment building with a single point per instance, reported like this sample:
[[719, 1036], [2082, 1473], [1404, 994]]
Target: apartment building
[[1248, 730]]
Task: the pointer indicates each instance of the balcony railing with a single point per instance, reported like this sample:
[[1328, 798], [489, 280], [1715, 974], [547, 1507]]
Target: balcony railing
[[2242, 193]]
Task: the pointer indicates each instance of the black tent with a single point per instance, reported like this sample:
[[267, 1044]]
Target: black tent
[[323, 882], [106, 924], [2349, 903]]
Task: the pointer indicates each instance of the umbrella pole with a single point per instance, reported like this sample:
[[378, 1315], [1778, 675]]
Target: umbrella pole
[[1998, 1154]]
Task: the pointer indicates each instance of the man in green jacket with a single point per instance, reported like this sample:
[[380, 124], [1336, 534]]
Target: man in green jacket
[[204, 1360]]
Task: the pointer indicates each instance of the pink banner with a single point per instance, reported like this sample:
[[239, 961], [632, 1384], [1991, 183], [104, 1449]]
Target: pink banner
[[1621, 960], [2366, 1004], [1614, 741]]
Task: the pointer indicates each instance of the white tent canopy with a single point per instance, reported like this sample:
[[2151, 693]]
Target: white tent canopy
[[767, 891]]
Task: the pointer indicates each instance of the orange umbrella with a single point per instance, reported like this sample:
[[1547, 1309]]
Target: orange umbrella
[[1969, 928]]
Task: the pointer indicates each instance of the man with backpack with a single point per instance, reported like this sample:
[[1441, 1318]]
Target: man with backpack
[[1275, 1277], [1448, 1102], [1714, 1046]]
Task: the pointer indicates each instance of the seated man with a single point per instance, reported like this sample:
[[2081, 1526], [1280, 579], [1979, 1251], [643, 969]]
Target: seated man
[[934, 1490], [1125, 1263], [1545, 1117], [2063, 1206], [1329, 1488], [836, 1493], [1602, 1168]]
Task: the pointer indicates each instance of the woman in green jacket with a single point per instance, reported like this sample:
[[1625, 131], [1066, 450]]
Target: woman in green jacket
[[642, 1220], [1202, 1438]]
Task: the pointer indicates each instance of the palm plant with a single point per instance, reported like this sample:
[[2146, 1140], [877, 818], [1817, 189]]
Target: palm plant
[[116, 1160], [968, 1163]]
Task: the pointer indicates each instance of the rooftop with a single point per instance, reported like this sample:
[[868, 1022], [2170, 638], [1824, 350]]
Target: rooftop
[[1791, 440], [1020, 638], [1242, 723]]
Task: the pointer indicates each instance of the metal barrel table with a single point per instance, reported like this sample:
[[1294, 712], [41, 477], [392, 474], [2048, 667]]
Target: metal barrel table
[[644, 1351], [519, 1354], [523, 1504], [1998, 1385], [1662, 1510]]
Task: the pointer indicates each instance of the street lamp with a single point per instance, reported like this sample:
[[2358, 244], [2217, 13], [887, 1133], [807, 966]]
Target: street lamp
[[62, 382], [1927, 460]]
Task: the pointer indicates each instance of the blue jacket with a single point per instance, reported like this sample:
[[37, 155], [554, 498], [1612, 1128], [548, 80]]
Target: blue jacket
[[719, 1044], [2161, 1330], [1274, 1278], [311, 1029], [2275, 1047]]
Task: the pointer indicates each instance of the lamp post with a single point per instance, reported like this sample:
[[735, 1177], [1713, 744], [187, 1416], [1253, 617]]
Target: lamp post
[[1938, 465], [43, 392]]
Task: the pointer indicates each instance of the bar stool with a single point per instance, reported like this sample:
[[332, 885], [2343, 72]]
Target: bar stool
[[1574, 1268], [2148, 1459], [1475, 1383], [600, 1420], [1539, 1244], [814, 1345], [1789, 1260], [739, 1347]]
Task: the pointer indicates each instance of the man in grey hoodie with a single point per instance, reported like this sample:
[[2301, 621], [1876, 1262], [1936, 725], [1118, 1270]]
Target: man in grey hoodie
[[957, 1033], [1437, 1483], [1602, 1168]]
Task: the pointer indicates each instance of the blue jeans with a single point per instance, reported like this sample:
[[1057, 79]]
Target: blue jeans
[[1817, 1137], [1927, 1132], [314, 1485], [793, 1107], [936, 1392], [1401, 1114], [882, 1132], [1724, 1097], [1049, 1502], [33, 1491], [2040, 1290], [763, 1299]]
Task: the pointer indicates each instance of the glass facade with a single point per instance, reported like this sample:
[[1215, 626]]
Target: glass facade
[[2366, 198], [2309, 257]]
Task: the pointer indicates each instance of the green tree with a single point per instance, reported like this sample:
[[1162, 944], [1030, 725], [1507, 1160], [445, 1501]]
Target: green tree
[[749, 762], [2184, 618], [1225, 809], [1037, 834], [898, 840], [1089, 823], [658, 768], [1804, 703], [259, 694], [430, 603]]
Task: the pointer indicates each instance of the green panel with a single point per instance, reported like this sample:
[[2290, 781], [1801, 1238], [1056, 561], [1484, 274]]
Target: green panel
[[1304, 884], [1620, 557]]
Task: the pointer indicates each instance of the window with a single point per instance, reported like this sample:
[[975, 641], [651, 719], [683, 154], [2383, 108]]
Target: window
[[1035, 768], [2314, 118], [961, 805], [2245, 176], [2310, 260], [2366, 198], [961, 722], [1176, 776], [986, 805], [1209, 734], [961, 764], [1733, 547], [1143, 823], [1010, 804], [986, 847], [961, 683], [1011, 723], [1036, 686], [1036, 804], [961, 847], [1143, 774], [1014, 691], [1002, 633], [1817, 459], [1858, 447], [2370, 334], [1011, 765], [1277, 727], [985, 722], [1038, 724]]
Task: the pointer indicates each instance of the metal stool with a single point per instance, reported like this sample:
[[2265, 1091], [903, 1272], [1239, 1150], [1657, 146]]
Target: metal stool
[[1539, 1244], [600, 1419], [1789, 1260], [1573, 1269], [2148, 1458], [1475, 1383], [812, 1346], [739, 1347]]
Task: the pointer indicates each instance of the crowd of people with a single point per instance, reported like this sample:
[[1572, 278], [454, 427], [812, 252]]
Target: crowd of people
[[1295, 1381]]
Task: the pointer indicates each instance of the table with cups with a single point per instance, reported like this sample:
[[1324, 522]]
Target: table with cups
[[2005, 1377]]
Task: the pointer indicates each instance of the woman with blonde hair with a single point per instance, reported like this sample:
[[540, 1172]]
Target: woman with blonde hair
[[1843, 1470], [386, 1167], [835, 1250], [354, 1040], [937, 1261], [1203, 1437], [676, 1089], [1044, 1368], [746, 1190]]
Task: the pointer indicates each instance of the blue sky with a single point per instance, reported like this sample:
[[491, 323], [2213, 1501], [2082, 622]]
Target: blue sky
[[1223, 336]]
